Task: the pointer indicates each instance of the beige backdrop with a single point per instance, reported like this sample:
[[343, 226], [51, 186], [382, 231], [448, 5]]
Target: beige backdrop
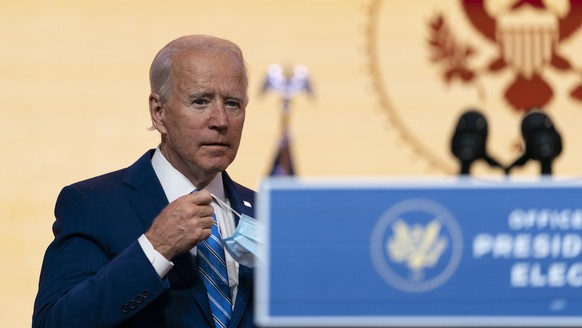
[[73, 90]]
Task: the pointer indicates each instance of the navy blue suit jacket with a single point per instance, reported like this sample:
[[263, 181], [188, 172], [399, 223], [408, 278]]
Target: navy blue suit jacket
[[95, 273]]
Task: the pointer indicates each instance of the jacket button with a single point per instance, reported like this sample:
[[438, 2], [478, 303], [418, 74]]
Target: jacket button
[[139, 299], [125, 308], [132, 305], [145, 294]]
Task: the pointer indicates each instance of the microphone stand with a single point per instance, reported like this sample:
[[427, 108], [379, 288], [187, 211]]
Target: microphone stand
[[518, 162], [465, 167], [466, 164], [492, 162], [546, 166]]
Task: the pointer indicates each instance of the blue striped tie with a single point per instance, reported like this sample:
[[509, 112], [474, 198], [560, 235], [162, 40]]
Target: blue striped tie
[[212, 267]]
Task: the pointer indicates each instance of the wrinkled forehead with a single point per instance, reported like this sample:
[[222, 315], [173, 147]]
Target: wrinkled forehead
[[222, 65], [200, 58], [216, 62], [210, 72]]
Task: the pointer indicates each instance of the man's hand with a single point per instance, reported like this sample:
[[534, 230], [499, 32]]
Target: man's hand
[[183, 224]]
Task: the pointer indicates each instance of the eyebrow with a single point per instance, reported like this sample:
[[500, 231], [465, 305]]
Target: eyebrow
[[200, 94], [237, 97], [206, 93]]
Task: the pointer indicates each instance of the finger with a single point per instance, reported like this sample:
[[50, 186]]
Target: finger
[[201, 219], [201, 197], [207, 222], [206, 211], [206, 233]]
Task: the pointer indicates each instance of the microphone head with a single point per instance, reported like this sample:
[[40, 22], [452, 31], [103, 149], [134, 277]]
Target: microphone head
[[468, 143], [542, 140]]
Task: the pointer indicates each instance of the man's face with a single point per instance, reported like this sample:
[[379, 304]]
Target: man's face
[[202, 122]]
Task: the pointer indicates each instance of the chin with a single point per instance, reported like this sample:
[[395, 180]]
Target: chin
[[217, 166]]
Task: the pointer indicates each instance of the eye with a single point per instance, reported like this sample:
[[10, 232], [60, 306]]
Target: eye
[[200, 102], [232, 104]]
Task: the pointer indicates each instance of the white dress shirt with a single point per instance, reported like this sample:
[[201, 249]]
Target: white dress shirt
[[175, 185]]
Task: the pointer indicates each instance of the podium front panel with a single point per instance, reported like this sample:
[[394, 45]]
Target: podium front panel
[[396, 253]]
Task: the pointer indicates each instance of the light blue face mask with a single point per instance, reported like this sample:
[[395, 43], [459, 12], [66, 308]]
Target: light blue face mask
[[245, 242]]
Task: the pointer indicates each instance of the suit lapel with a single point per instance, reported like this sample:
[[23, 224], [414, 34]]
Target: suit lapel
[[244, 296], [146, 196], [241, 201]]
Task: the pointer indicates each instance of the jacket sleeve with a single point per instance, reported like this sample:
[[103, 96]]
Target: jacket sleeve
[[84, 282]]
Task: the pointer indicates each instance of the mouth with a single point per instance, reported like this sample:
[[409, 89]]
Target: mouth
[[215, 144]]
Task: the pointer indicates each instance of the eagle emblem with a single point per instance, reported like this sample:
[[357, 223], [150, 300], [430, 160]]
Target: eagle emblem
[[527, 35], [416, 246]]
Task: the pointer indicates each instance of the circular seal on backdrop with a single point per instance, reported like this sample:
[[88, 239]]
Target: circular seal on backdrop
[[432, 60], [416, 245]]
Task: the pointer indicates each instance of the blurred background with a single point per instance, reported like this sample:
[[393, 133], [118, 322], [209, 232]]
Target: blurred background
[[389, 81]]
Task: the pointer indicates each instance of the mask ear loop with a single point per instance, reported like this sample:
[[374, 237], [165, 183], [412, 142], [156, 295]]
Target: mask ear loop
[[219, 201]]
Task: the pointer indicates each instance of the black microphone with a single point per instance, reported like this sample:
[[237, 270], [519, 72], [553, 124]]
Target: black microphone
[[543, 143], [469, 141]]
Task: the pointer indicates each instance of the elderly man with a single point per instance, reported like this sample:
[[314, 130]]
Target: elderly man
[[142, 246]]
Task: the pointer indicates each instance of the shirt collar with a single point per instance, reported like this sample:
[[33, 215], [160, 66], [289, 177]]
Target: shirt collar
[[175, 184]]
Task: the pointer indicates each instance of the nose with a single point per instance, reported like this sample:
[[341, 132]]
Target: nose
[[218, 119]]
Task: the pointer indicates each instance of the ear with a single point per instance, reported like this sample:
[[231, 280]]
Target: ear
[[157, 113]]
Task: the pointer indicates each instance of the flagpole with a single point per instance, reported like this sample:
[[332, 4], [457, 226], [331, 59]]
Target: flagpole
[[287, 82]]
